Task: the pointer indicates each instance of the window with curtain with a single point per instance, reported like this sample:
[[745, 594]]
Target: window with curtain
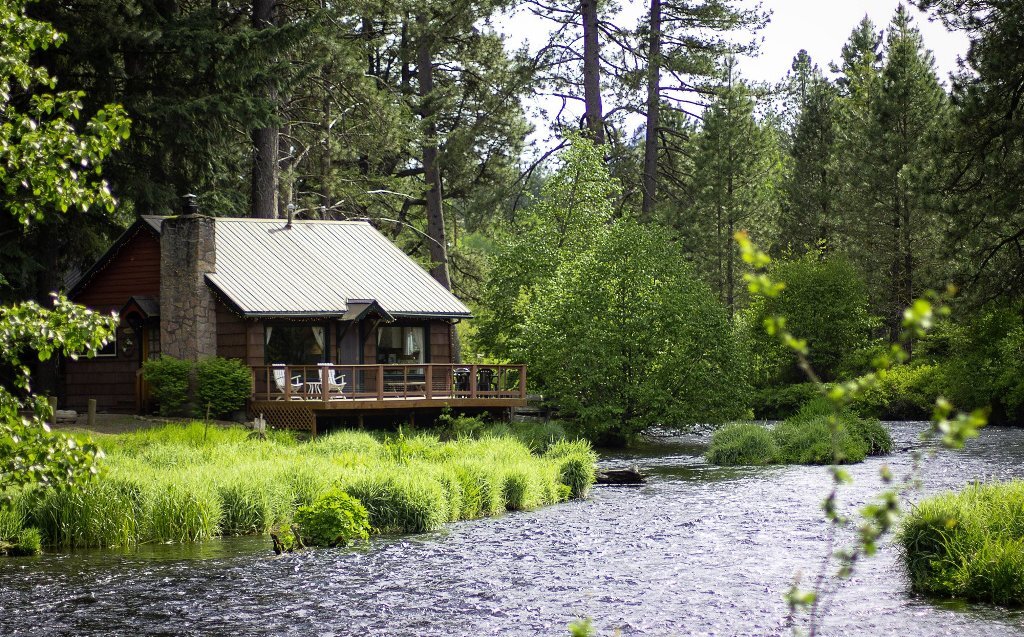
[[401, 345], [295, 344]]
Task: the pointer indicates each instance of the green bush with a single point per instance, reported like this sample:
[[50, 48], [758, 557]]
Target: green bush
[[742, 444], [576, 465], [825, 301], [168, 383], [334, 519], [222, 385], [904, 392], [780, 402], [968, 545], [810, 441]]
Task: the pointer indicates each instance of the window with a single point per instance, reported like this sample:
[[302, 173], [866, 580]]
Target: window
[[401, 345], [295, 344], [110, 349]]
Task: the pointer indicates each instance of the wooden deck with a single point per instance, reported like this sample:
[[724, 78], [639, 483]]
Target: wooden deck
[[291, 396]]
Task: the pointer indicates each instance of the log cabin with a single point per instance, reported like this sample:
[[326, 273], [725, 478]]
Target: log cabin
[[330, 316]]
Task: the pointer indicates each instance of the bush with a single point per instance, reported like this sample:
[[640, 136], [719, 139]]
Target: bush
[[902, 393], [810, 441], [222, 385], [168, 383], [334, 519], [576, 465], [742, 444], [967, 545], [778, 403], [28, 542], [825, 302]]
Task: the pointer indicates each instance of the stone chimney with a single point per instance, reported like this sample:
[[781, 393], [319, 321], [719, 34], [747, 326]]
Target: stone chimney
[[188, 316]]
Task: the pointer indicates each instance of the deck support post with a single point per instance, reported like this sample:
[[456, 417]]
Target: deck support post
[[428, 379]]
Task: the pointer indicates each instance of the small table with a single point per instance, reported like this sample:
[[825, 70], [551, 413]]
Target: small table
[[314, 387]]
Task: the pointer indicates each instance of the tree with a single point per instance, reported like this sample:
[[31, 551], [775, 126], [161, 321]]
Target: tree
[[624, 337], [573, 210], [684, 43], [983, 185], [736, 170], [811, 184], [896, 229], [39, 145]]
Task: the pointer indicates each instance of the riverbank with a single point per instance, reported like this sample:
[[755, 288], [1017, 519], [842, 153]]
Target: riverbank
[[698, 550], [187, 483]]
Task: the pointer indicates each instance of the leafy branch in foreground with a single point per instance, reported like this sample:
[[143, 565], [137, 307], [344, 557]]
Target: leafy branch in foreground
[[949, 428]]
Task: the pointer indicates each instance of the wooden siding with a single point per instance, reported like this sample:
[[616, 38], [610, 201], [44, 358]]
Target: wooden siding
[[133, 271]]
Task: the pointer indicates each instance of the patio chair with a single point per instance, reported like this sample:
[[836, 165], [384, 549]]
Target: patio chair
[[296, 383], [336, 383]]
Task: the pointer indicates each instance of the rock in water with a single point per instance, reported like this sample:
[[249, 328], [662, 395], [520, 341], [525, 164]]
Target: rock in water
[[632, 475]]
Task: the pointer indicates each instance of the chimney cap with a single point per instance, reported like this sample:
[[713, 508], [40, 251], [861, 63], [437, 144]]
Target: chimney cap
[[190, 204]]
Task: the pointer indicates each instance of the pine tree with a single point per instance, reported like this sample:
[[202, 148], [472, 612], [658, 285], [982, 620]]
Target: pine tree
[[896, 231], [736, 174]]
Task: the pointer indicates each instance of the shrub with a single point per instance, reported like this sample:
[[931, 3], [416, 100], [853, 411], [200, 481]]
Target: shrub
[[967, 545], [408, 502], [168, 383], [742, 444], [901, 393], [335, 518], [778, 403], [223, 385], [825, 302]]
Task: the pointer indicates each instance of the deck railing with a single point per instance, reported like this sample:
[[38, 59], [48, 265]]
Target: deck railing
[[331, 382]]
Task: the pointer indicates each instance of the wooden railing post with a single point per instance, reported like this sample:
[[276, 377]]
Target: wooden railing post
[[252, 371], [325, 388], [428, 378], [522, 382], [287, 383], [380, 382], [472, 381]]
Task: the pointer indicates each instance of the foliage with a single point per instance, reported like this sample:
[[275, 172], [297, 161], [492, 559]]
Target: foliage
[[816, 440], [624, 337], [571, 213], [334, 519], [168, 379], [901, 393], [184, 483], [981, 365], [223, 385], [826, 302], [742, 443], [967, 545], [779, 402]]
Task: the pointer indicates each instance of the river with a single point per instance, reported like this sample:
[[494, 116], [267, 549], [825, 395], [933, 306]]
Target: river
[[699, 550]]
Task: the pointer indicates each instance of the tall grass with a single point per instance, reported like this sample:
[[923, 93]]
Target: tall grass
[[806, 438], [968, 545], [186, 483]]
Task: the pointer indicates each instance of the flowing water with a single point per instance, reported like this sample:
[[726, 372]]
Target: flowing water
[[699, 550]]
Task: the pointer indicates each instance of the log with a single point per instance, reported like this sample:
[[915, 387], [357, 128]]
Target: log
[[632, 475]]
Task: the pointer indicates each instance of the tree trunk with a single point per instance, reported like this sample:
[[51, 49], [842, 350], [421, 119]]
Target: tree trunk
[[592, 71], [653, 113], [264, 140], [437, 241]]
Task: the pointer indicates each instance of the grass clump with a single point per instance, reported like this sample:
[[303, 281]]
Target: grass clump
[[968, 545], [186, 483], [742, 443], [334, 519], [805, 438]]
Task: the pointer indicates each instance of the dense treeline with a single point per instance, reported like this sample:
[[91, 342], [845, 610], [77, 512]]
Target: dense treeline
[[866, 178]]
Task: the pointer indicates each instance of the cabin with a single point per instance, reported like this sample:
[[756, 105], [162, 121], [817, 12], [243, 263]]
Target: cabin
[[333, 320]]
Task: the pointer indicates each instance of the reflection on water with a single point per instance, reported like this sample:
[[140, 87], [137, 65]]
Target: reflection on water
[[698, 550]]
